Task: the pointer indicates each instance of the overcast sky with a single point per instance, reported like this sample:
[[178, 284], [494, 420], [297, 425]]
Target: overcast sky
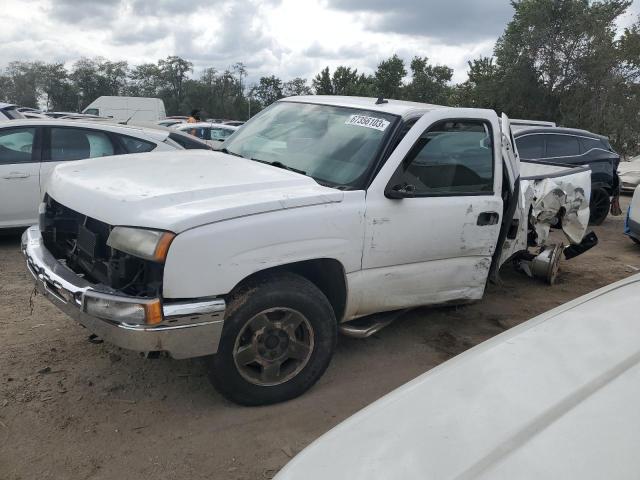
[[287, 38]]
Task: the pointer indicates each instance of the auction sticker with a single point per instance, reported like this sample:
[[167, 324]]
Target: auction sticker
[[368, 122]]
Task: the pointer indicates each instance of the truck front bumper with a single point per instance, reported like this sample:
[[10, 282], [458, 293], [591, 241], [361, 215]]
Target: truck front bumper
[[188, 329]]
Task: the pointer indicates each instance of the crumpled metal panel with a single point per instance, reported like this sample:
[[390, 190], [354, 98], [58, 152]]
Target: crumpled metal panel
[[551, 196], [541, 201]]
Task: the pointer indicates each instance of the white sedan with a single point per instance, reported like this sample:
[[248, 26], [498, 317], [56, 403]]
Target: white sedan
[[629, 173], [212, 133], [30, 150], [553, 398]]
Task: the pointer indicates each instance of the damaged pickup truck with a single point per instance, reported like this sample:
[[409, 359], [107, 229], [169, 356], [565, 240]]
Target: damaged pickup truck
[[318, 216]]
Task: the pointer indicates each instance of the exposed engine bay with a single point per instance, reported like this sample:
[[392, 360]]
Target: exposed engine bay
[[80, 242]]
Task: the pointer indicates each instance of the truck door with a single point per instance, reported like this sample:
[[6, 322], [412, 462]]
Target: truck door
[[433, 214]]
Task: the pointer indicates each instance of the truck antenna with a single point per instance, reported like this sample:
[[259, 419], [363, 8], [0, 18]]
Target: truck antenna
[[381, 100]]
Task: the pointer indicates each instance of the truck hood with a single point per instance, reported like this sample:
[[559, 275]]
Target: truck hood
[[177, 191], [555, 397]]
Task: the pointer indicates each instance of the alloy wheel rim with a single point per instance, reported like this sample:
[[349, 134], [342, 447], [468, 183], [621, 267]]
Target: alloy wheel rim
[[273, 346]]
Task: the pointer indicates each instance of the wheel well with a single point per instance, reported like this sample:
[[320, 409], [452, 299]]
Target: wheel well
[[325, 273]]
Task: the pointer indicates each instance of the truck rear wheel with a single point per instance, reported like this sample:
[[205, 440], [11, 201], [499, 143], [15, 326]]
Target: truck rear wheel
[[278, 339], [599, 206]]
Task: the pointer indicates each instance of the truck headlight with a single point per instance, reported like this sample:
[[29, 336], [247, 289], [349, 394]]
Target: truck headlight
[[148, 244]]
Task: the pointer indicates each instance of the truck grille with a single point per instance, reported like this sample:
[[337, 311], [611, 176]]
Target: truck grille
[[80, 242]]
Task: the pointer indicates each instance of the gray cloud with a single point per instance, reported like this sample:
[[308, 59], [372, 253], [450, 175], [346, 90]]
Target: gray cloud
[[156, 8], [317, 50], [83, 12], [454, 21], [145, 33], [239, 31]]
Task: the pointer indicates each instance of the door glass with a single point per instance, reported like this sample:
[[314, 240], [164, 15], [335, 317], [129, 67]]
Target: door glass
[[452, 157], [76, 144], [220, 133], [562, 146], [16, 145], [590, 144], [530, 147], [135, 145]]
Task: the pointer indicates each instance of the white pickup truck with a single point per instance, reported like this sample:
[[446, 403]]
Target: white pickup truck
[[317, 216]]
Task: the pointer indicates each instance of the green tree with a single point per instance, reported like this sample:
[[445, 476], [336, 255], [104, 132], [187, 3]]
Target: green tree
[[145, 80], [295, 87], [322, 83], [268, 90], [429, 83], [174, 72], [388, 77]]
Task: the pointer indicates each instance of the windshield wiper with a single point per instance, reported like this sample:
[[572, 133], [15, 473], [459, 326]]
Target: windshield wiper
[[280, 165], [224, 150]]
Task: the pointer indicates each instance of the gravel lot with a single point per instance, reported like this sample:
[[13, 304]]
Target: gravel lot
[[72, 409]]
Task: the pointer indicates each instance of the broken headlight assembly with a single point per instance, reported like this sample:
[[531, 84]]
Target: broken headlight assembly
[[143, 243]]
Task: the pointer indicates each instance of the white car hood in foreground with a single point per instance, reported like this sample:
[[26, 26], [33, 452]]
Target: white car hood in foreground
[[554, 398], [180, 190]]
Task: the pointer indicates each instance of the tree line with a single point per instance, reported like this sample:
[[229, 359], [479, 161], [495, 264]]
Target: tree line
[[558, 60]]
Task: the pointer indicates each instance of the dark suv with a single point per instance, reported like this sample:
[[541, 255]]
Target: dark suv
[[576, 147]]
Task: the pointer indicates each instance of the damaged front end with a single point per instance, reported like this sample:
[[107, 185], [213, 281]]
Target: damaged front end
[[550, 197], [81, 243]]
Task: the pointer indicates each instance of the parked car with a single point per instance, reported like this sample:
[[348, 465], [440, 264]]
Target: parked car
[[629, 174], [28, 109], [29, 114], [9, 111], [632, 223], [59, 114], [318, 213], [30, 149], [123, 109], [212, 133], [171, 122], [576, 147], [520, 124], [553, 398], [234, 123]]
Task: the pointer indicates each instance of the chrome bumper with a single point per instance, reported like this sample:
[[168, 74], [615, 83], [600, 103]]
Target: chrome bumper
[[188, 329]]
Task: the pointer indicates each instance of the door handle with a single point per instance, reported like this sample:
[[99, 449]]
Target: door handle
[[13, 175], [488, 218]]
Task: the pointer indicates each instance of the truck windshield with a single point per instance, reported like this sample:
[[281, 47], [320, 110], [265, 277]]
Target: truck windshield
[[334, 145]]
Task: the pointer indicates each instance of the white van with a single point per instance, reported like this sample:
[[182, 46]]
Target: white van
[[122, 109]]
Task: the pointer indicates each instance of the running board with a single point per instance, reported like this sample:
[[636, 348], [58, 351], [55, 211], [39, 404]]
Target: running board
[[366, 326]]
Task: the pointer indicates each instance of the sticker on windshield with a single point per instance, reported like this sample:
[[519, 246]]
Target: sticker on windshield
[[368, 122]]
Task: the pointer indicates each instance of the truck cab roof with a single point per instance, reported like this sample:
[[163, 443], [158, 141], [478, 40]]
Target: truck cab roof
[[401, 108]]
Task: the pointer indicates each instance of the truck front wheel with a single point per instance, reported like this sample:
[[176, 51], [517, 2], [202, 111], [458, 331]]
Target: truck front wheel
[[278, 338]]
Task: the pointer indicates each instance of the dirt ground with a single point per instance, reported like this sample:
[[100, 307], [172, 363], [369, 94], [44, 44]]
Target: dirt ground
[[76, 410]]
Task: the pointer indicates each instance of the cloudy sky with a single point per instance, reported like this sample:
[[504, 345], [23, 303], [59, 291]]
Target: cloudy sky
[[287, 38]]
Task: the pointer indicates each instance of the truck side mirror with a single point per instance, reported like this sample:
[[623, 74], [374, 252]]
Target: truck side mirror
[[399, 191]]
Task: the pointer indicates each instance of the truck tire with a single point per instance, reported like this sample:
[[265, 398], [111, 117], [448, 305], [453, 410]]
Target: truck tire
[[278, 339], [599, 206]]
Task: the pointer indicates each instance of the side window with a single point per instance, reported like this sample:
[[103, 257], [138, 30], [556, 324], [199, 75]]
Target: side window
[[185, 142], [77, 144], [562, 146], [452, 157], [591, 143], [220, 133], [16, 145], [92, 111], [530, 147], [201, 133], [135, 145]]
